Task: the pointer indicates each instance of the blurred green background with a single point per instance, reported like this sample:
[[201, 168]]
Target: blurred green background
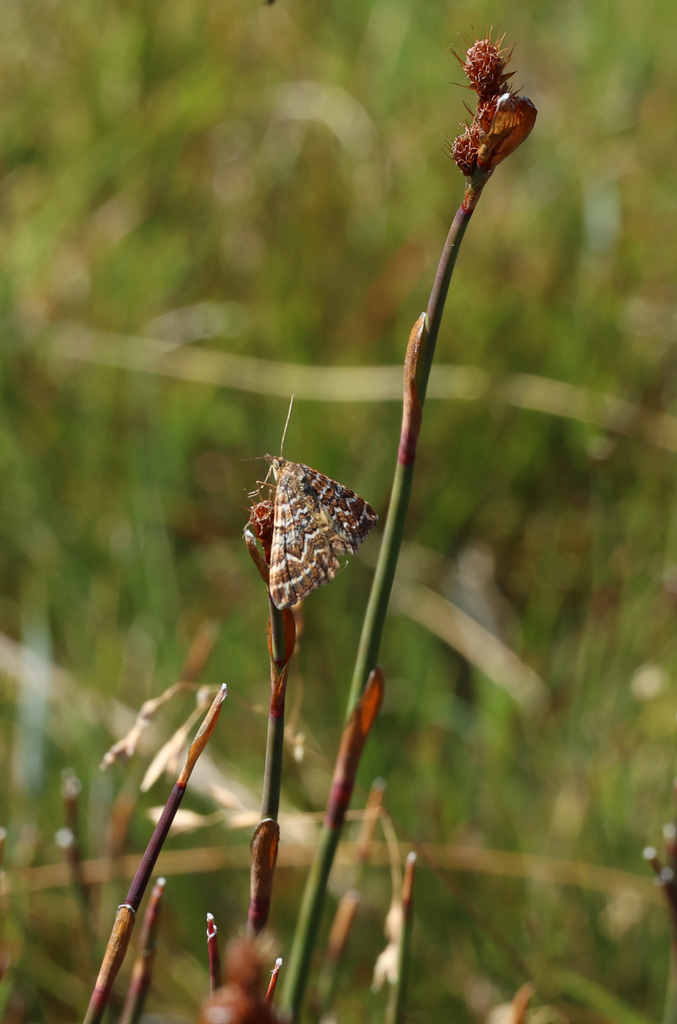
[[193, 180]]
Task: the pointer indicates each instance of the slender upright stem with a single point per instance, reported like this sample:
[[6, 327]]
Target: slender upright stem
[[126, 913], [272, 775], [379, 598], [277, 635], [308, 923], [282, 639], [353, 740], [418, 362], [142, 971], [213, 955]]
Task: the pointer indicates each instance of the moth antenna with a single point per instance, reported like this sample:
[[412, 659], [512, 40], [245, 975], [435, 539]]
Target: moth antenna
[[286, 424]]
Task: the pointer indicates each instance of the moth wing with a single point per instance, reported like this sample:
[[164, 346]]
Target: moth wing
[[351, 517], [302, 556]]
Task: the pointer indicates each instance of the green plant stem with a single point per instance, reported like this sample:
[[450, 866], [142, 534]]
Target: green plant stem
[[355, 735], [310, 914], [379, 598], [305, 937], [278, 642], [272, 775]]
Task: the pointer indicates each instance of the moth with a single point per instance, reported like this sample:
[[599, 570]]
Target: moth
[[316, 520]]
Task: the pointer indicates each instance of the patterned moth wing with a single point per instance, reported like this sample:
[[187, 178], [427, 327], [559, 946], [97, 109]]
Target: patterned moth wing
[[316, 520]]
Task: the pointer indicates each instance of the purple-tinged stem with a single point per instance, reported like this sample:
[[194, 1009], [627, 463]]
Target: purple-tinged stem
[[68, 838], [126, 912], [213, 955], [264, 846], [142, 971]]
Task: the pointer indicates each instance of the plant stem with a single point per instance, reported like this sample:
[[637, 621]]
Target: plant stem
[[353, 740], [310, 914], [281, 641], [418, 362], [281, 627], [143, 965], [272, 775], [126, 913], [375, 616], [213, 955]]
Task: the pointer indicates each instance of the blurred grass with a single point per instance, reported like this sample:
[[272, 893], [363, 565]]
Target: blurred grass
[[284, 164]]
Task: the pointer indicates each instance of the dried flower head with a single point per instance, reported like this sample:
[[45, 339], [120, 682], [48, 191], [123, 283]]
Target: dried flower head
[[502, 120], [484, 66], [486, 110], [261, 521], [463, 149]]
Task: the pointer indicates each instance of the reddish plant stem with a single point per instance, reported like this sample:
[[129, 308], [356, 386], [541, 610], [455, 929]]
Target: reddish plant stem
[[142, 971], [272, 984], [213, 955], [264, 847], [126, 912]]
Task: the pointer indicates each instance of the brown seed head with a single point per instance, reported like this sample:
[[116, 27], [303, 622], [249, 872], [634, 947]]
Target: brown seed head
[[463, 149], [484, 67], [502, 120], [486, 110], [261, 518]]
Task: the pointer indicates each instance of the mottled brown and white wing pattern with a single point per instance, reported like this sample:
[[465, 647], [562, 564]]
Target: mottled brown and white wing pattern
[[316, 520]]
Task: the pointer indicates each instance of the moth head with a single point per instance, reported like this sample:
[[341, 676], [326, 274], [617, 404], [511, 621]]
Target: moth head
[[276, 463]]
